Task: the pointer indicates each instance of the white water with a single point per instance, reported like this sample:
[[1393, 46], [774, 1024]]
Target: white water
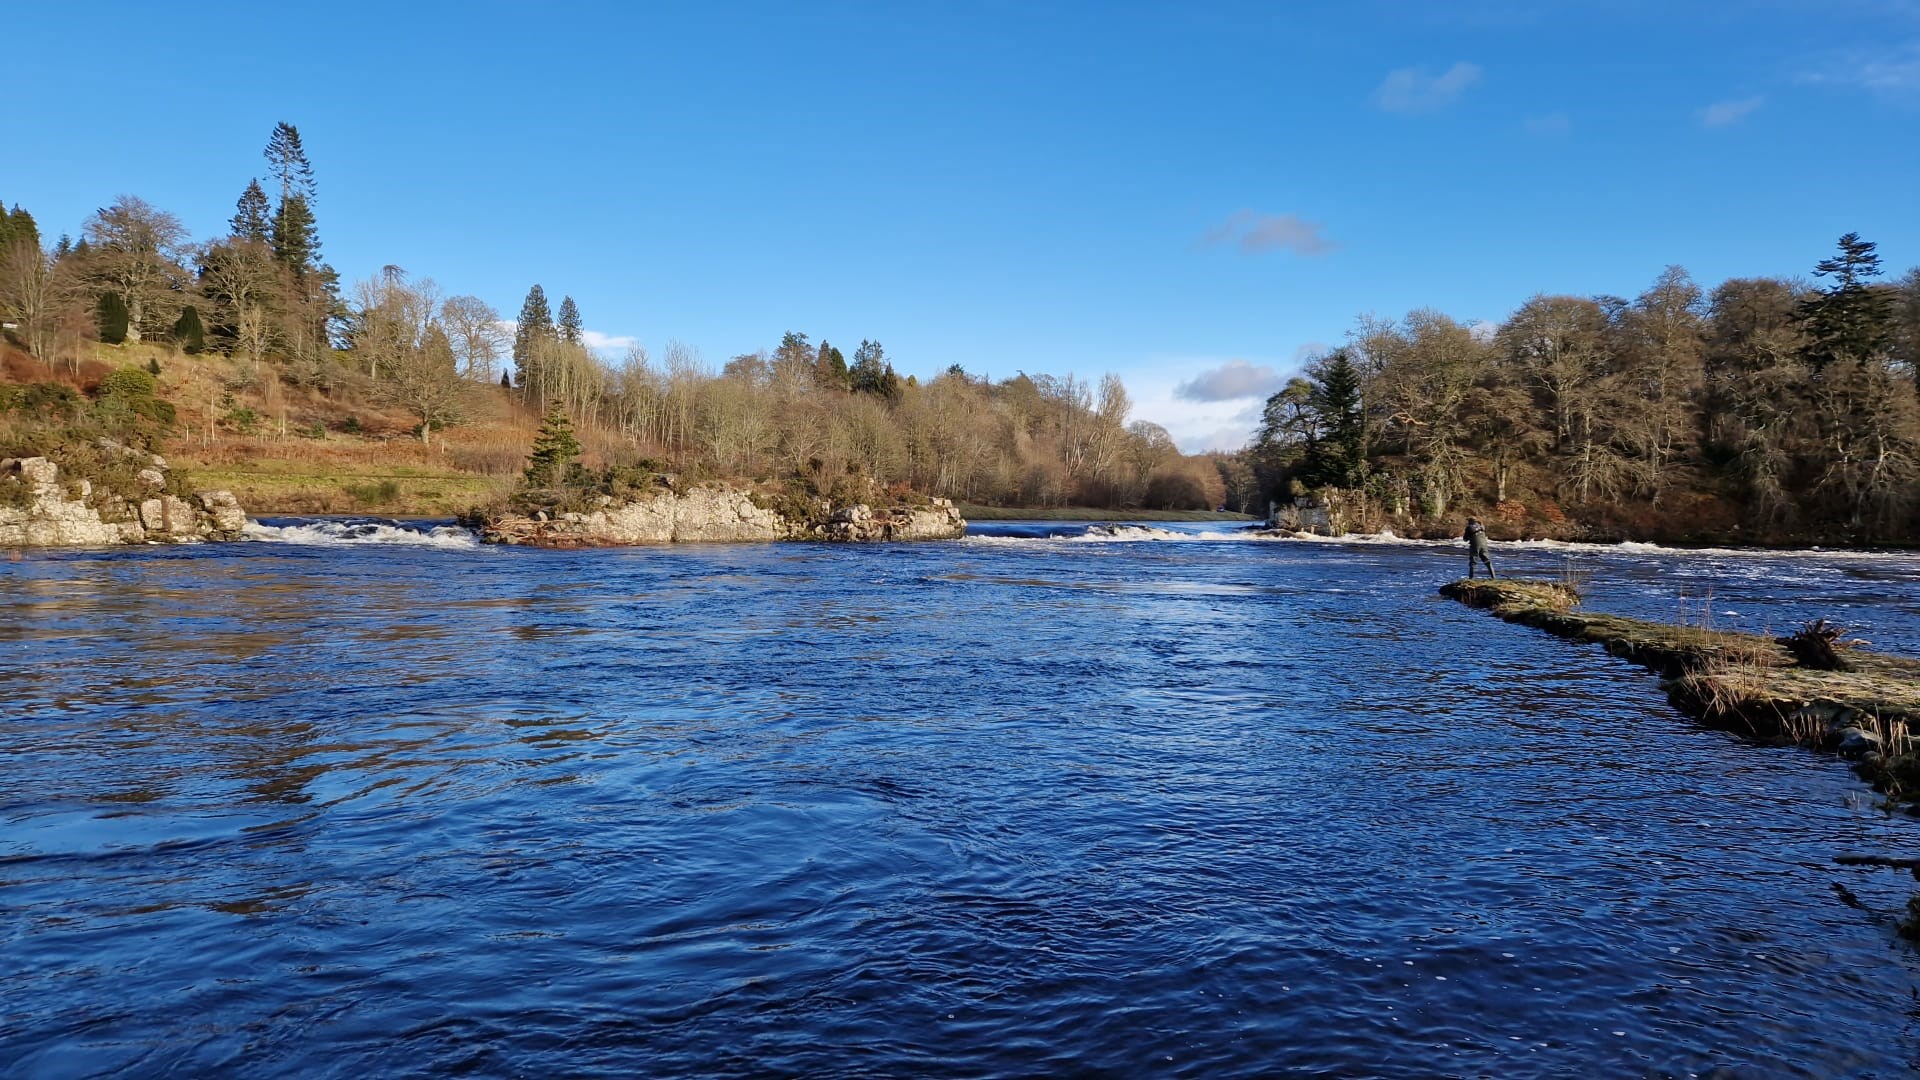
[[344, 533]]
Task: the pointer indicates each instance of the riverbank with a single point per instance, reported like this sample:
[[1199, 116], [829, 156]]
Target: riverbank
[[1758, 686]]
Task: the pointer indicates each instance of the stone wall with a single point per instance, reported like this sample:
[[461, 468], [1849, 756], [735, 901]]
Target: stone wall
[[52, 512]]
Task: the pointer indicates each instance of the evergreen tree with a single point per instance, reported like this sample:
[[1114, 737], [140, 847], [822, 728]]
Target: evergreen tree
[[111, 315], [23, 227], [16, 226], [287, 162], [871, 373], [1339, 457], [571, 331], [63, 247], [188, 333], [506, 380], [1852, 320], [554, 449], [830, 368], [535, 322], [251, 215], [296, 241]]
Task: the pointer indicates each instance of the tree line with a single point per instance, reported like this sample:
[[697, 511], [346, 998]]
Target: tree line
[[262, 292], [1780, 408]]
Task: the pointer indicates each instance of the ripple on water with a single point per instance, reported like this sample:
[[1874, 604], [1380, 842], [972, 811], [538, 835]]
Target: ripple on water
[[1180, 805]]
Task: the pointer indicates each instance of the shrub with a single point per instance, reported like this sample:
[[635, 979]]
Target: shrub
[[188, 333], [111, 316], [129, 382], [385, 491]]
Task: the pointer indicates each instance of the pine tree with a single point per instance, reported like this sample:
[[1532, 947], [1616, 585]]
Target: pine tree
[[554, 449], [1339, 457], [571, 330], [287, 162], [871, 373], [17, 226], [296, 242], [188, 333], [535, 322], [830, 368], [1852, 320], [251, 214]]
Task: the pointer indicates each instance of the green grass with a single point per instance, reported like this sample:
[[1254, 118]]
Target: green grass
[[1088, 513], [413, 492]]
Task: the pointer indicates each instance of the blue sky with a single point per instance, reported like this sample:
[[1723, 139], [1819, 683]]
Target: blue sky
[[1190, 195]]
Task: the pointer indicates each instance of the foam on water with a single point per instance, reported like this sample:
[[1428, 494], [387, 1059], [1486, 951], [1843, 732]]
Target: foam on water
[[344, 533], [1114, 533]]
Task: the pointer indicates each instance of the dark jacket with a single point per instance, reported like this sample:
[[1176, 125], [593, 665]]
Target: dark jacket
[[1476, 536]]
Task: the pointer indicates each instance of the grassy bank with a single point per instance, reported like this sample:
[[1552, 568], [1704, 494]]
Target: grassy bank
[[275, 487], [973, 512], [1767, 688], [1778, 690]]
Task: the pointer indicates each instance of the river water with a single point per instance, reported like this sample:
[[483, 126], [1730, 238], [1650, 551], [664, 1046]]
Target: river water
[[377, 801]]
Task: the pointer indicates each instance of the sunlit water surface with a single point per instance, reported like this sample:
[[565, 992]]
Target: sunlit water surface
[[368, 801]]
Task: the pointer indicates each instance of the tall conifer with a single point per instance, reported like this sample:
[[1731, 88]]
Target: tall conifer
[[535, 322], [251, 214], [571, 330]]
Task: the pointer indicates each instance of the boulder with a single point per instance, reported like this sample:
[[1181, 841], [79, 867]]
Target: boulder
[[60, 515], [1856, 742], [716, 514]]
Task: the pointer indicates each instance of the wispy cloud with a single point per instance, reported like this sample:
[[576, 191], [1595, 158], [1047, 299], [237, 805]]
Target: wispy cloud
[[1257, 234], [1549, 125], [1891, 74], [1419, 90], [1231, 381], [1724, 113]]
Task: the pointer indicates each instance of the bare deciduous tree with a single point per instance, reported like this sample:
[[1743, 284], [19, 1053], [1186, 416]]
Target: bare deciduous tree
[[136, 255]]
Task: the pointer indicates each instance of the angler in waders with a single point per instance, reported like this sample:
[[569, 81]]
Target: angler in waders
[[1476, 537]]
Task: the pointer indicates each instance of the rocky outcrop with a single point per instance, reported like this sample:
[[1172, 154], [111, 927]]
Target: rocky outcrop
[[715, 514], [940, 521], [40, 509]]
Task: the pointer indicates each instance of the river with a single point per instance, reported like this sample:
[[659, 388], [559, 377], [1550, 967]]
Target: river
[[378, 801]]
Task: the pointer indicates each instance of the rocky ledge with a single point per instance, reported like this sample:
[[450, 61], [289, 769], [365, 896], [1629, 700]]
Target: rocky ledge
[[40, 509], [716, 514]]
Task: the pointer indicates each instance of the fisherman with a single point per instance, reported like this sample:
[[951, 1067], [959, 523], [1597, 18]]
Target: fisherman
[[1476, 538]]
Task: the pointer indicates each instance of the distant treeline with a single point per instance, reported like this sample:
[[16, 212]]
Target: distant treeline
[[261, 292], [1782, 409], [1769, 409]]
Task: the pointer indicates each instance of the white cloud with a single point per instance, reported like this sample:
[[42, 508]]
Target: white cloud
[[1256, 234], [1723, 113], [600, 342], [1231, 381], [1418, 90], [1550, 125], [593, 339], [1198, 426]]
